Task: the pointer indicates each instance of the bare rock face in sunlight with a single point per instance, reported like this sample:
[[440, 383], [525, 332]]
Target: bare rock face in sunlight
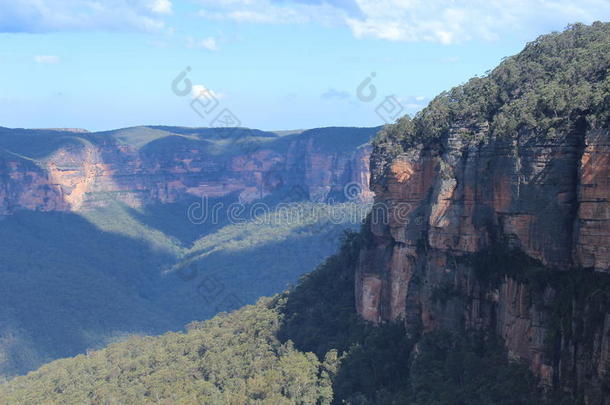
[[27, 186], [98, 169]]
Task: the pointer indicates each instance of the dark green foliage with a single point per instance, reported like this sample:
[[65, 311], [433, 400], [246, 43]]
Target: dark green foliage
[[451, 369], [392, 137], [233, 359], [319, 311], [94, 278], [375, 370], [375, 365], [558, 82], [319, 316], [262, 355]]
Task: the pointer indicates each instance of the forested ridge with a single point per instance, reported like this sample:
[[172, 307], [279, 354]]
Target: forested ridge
[[558, 82], [307, 345]]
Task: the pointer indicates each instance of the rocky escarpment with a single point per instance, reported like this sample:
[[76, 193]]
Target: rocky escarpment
[[139, 166], [501, 228], [78, 271]]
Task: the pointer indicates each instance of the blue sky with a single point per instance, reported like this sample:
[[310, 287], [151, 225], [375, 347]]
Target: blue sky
[[275, 64]]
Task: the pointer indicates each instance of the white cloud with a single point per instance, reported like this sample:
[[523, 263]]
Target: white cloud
[[271, 11], [161, 6], [441, 21], [200, 90], [46, 59], [82, 15], [208, 43], [450, 59], [432, 20], [331, 94]]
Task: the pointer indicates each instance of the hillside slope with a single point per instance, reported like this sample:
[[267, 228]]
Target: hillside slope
[[484, 257], [143, 230], [304, 347]]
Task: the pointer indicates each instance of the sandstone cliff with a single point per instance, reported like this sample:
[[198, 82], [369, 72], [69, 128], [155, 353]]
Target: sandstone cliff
[[485, 226], [60, 170]]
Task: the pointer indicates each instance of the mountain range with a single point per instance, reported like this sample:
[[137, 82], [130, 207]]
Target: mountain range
[[142, 230], [480, 275]]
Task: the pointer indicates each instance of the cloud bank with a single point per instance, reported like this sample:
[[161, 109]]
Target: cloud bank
[[80, 15], [441, 21]]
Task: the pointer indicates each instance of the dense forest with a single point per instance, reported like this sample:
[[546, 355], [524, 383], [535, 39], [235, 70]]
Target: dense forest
[[305, 346], [556, 84], [148, 280]]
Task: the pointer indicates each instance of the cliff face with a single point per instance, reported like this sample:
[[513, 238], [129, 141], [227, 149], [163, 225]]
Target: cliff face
[[23, 184], [505, 234], [89, 170], [443, 204]]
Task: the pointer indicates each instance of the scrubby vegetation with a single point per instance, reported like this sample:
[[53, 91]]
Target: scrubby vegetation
[[559, 83], [453, 369]]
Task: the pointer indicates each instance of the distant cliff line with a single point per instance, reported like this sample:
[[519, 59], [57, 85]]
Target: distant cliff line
[[66, 170]]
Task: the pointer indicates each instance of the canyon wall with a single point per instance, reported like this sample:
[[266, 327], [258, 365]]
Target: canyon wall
[[441, 208], [89, 170]]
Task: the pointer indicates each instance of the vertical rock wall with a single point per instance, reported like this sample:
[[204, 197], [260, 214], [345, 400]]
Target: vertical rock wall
[[439, 206]]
